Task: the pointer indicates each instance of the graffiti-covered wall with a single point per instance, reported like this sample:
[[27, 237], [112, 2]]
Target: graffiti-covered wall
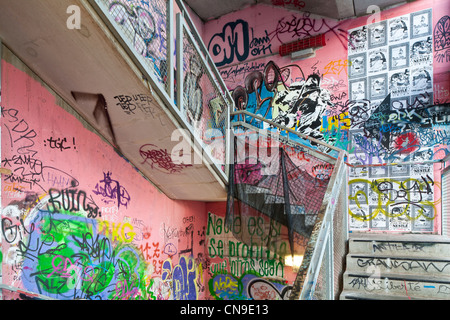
[[78, 221], [242, 271], [379, 89]]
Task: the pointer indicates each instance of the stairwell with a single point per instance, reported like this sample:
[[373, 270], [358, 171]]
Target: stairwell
[[397, 267]]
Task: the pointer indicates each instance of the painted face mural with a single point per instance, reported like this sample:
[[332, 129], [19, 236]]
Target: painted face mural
[[300, 105]]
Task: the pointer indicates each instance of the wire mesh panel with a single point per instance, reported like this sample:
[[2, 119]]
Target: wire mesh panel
[[204, 106], [446, 203], [340, 238], [144, 25], [316, 252], [323, 285], [275, 180]]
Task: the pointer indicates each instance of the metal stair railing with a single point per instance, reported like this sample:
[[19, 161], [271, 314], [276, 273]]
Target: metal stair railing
[[319, 275], [286, 139], [30, 295]]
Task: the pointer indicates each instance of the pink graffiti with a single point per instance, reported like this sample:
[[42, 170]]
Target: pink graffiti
[[65, 272]]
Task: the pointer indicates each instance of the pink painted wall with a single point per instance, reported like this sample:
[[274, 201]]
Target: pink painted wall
[[244, 42], [238, 271], [78, 221]]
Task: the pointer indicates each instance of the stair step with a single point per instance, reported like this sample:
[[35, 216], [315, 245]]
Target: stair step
[[254, 189], [429, 286], [394, 264], [356, 295], [404, 245]]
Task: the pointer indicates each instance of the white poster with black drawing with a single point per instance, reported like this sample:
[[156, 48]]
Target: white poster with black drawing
[[378, 218], [378, 61], [378, 86], [421, 24], [423, 217], [378, 171], [359, 217], [357, 66], [357, 40], [358, 89], [421, 52], [400, 103], [422, 155], [398, 29], [421, 80], [421, 100], [400, 217], [399, 82], [399, 56], [377, 34], [399, 170], [358, 193]]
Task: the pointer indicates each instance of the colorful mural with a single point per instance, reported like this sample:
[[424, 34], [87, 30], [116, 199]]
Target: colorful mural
[[377, 89], [78, 222]]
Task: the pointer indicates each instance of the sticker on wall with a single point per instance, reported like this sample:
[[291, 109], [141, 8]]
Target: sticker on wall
[[421, 52], [399, 56], [421, 23], [377, 34], [398, 29], [377, 60]]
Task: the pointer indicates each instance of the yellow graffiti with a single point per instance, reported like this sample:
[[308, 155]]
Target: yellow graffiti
[[337, 122], [402, 195], [117, 231]]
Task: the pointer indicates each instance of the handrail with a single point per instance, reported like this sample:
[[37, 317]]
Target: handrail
[[285, 140], [283, 128], [306, 279], [322, 234], [166, 88], [303, 136]]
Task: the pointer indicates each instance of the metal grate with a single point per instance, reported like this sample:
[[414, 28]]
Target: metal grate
[[144, 24], [323, 286], [204, 105], [340, 238]]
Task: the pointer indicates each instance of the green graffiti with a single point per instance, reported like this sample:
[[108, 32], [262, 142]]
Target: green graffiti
[[67, 256], [225, 286]]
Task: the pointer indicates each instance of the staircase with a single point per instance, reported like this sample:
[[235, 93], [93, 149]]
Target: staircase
[[274, 206], [397, 267]]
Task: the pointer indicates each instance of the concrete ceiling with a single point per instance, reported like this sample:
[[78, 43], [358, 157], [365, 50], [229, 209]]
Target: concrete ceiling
[[87, 68], [335, 9]]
